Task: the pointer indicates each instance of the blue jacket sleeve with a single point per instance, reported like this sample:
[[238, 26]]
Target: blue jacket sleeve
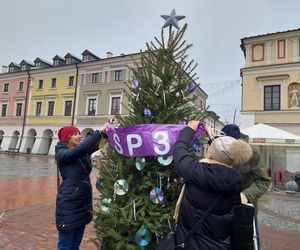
[[207, 176], [88, 146]]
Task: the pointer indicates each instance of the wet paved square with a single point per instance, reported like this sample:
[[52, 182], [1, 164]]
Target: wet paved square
[[27, 198], [28, 191]]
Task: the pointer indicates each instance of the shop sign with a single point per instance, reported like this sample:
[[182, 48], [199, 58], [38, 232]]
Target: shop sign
[[259, 140]]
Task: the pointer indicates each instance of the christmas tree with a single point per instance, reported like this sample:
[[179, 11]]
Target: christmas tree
[[138, 194]]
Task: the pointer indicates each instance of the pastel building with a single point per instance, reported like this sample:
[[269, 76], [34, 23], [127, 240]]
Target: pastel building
[[36, 100], [271, 80], [51, 102], [14, 89]]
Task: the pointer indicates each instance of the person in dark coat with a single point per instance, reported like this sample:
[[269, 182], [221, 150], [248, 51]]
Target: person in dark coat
[[255, 179], [204, 181], [74, 208]]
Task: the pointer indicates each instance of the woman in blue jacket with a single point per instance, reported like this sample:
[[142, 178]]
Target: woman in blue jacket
[[74, 208], [204, 181]]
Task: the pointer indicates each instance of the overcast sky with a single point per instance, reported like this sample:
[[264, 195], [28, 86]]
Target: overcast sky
[[45, 28]]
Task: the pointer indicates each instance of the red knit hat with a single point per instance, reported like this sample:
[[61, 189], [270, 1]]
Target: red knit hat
[[65, 133]]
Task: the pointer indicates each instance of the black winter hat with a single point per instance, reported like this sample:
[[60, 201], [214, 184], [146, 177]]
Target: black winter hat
[[233, 131]]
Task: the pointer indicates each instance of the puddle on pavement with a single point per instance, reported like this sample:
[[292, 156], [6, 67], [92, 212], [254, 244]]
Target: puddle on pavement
[[20, 166], [28, 180]]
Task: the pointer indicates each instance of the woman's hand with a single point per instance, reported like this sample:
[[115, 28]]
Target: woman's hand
[[193, 125], [111, 120]]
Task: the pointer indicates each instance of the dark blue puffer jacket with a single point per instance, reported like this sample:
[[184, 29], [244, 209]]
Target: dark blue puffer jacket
[[74, 199]]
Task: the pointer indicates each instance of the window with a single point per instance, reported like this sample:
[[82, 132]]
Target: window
[[115, 105], [95, 77], [6, 87], [38, 108], [201, 104], [71, 81], [21, 86], [23, 67], [56, 63], [272, 97], [11, 69], [53, 83], [19, 109], [91, 106], [4, 110], [86, 57], [118, 74], [68, 60], [38, 64], [50, 108], [41, 83], [68, 108]]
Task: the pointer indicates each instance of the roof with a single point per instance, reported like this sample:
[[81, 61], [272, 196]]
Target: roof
[[14, 64], [26, 62], [87, 52], [58, 57], [274, 33], [43, 61], [70, 55], [262, 133]]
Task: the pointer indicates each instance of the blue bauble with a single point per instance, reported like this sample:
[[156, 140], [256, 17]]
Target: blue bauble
[[99, 183]]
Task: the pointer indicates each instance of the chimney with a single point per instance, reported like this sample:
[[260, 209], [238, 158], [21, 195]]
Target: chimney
[[4, 69], [109, 54]]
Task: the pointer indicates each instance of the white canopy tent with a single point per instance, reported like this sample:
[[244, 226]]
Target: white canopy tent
[[262, 134], [279, 149]]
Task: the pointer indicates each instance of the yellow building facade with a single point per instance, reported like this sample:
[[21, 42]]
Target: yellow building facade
[[271, 80], [52, 96]]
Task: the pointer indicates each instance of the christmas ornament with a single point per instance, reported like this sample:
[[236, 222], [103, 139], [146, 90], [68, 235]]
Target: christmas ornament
[[134, 209], [172, 19], [157, 195], [180, 94], [99, 183], [147, 112], [291, 186], [165, 160], [140, 163], [105, 205], [135, 84], [121, 187], [142, 237], [196, 147], [192, 87]]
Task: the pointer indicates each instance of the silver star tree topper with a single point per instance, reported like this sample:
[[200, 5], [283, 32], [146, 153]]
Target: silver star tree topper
[[172, 19]]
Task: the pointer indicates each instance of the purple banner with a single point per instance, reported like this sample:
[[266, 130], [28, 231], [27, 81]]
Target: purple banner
[[146, 139]]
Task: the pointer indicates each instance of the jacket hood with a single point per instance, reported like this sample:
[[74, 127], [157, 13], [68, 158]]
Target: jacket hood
[[59, 146]]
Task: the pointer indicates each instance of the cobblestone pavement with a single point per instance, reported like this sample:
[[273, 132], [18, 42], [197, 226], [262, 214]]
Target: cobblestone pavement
[[28, 221], [27, 204], [279, 221]]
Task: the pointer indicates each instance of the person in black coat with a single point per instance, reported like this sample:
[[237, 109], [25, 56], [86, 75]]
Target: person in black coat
[[204, 181], [74, 208]]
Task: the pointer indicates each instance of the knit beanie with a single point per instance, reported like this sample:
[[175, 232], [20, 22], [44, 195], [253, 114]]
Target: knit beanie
[[232, 130], [227, 150], [65, 133]]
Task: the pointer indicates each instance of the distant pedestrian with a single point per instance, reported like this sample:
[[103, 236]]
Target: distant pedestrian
[[74, 208], [255, 180], [212, 177]]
